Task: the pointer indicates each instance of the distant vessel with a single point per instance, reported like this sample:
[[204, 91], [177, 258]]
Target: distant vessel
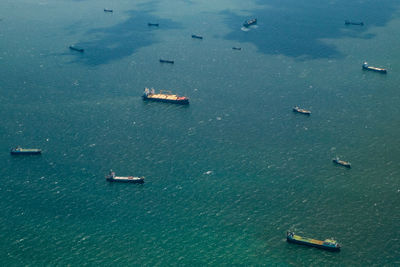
[[153, 24], [302, 111], [236, 48], [250, 22], [347, 22], [328, 244], [108, 10], [197, 36], [150, 94], [25, 151], [166, 61], [127, 179], [365, 66], [76, 48], [341, 162]]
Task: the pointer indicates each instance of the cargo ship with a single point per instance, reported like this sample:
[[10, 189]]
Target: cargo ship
[[151, 95], [108, 10], [302, 111], [167, 61], [365, 66], [25, 151], [341, 162], [250, 22], [111, 177], [347, 22], [197, 36], [153, 24], [236, 48], [76, 48], [328, 244]]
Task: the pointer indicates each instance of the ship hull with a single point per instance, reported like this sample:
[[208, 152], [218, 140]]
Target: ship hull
[[347, 165], [136, 181], [291, 240], [383, 71], [180, 102], [25, 152]]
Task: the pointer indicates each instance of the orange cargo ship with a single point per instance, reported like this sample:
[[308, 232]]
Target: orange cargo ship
[[162, 96]]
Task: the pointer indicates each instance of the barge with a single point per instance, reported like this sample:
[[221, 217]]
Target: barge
[[327, 244], [76, 48], [25, 151], [111, 177], [301, 111], [151, 95], [342, 163], [197, 36], [167, 61], [250, 22], [365, 66], [348, 22]]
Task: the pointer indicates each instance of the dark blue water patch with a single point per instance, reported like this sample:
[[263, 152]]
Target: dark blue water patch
[[297, 29], [122, 40]]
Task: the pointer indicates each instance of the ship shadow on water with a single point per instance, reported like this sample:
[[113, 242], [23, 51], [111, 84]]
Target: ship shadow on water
[[121, 40], [297, 29]]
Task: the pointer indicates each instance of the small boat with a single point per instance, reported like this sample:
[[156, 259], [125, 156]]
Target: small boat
[[365, 66], [76, 48], [111, 177], [328, 244], [250, 22], [341, 162], [302, 111], [153, 24], [108, 10], [166, 61], [347, 22], [164, 96], [236, 48], [197, 36], [25, 151]]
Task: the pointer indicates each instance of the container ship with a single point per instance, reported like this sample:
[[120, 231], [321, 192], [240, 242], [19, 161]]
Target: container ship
[[302, 111], [25, 151], [348, 22], [342, 163], [328, 244], [76, 49], [197, 36], [111, 177], [365, 66], [250, 22], [151, 95]]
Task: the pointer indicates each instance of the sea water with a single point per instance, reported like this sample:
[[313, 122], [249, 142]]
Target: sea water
[[226, 176]]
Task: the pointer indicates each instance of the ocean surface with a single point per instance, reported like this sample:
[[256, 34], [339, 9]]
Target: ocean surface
[[226, 176]]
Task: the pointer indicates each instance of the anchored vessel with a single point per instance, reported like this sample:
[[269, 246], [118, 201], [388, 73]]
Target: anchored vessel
[[76, 48], [302, 111], [197, 36], [166, 61], [341, 162], [25, 151], [127, 179], [153, 24], [365, 66], [150, 94], [250, 22], [108, 10], [347, 22], [328, 244]]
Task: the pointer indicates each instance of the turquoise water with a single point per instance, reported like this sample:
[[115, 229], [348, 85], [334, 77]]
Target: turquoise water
[[227, 176]]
